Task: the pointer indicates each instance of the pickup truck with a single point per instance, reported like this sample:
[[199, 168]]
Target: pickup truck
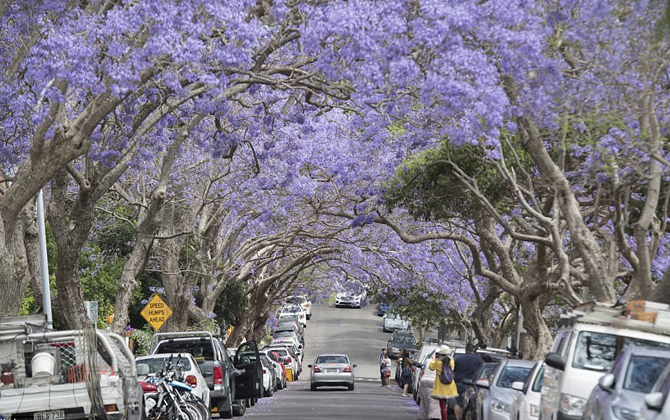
[[64, 375], [233, 384]]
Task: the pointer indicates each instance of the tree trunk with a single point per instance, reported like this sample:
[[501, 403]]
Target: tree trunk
[[70, 228], [538, 337], [137, 260], [14, 260]]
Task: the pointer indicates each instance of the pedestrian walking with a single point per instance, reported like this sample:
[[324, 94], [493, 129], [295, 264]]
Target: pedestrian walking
[[406, 375], [429, 409], [444, 387], [465, 368]]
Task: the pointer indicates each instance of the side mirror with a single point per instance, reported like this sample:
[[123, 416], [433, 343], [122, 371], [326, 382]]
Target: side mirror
[[354, 365], [606, 382], [482, 383], [518, 386], [309, 366], [555, 361], [142, 369], [654, 401]]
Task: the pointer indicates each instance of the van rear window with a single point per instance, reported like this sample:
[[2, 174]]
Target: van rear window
[[597, 351]]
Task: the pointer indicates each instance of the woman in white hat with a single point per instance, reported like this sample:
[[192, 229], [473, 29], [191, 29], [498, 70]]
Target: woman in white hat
[[443, 391]]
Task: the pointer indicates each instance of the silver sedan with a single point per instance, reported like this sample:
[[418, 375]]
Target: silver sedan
[[332, 370]]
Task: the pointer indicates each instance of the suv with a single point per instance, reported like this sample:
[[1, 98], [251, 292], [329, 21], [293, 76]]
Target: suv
[[584, 349], [394, 322], [399, 341], [229, 388], [620, 393], [303, 302]]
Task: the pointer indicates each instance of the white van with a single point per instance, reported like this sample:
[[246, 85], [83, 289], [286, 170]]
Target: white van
[[584, 349]]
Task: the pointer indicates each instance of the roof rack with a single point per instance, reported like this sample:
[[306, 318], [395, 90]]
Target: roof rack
[[619, 316]]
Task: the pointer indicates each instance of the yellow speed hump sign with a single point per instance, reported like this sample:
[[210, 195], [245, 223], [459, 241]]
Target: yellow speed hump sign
[[156, 312]]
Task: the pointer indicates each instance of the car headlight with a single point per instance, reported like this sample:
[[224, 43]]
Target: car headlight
[[624, 413], [500, 407], [572, 406], [534, 410]]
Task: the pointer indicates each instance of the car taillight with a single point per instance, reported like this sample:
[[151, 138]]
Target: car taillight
[[347, 368], [148, 387], [316, 369], [265, 372], [192, 380], [218, 375]]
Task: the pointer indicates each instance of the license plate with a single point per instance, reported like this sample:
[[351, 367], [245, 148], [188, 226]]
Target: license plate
[[331, 370], [50, 415]]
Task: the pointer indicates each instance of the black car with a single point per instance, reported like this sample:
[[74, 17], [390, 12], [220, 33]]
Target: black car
[[400, 340]]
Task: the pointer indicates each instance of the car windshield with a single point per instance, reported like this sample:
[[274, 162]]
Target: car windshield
[[642, 373], [284, 334], [597, 351], [405, 339], [156, 363], [537, 385], [200, 350], [511, 374], [331, 359]]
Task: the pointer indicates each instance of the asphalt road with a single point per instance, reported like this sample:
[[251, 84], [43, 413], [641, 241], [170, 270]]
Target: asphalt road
[[358, 333]]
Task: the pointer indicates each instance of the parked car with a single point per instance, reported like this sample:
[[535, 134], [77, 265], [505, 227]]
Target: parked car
[[293, 324], [295, 310], [657, 404], [269, 376], [620, 393], [423, 355], [285, 317], [349, 300], [290, 359], [400, 340], [183, 364], [526, 402], [494, 399], [288, 332], [302, 301], [476, 387], [394, 322], [332, 370], [584, 349], [280, 369], [231, 383]]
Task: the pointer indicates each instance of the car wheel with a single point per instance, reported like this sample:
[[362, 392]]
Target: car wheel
[[351, 387], [312, 387], [240, 408]]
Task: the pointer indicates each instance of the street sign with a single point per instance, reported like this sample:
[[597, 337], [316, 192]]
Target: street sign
[[156, 312], [92, 310]]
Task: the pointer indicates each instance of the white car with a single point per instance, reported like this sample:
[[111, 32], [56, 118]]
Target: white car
[[148, 366], [293, 361], [526, 402], [279, 368], [394, 322], [303, 302], [351, 300], [295, 310]]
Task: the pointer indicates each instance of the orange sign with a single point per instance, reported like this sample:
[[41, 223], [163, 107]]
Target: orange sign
[[156, 312]]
